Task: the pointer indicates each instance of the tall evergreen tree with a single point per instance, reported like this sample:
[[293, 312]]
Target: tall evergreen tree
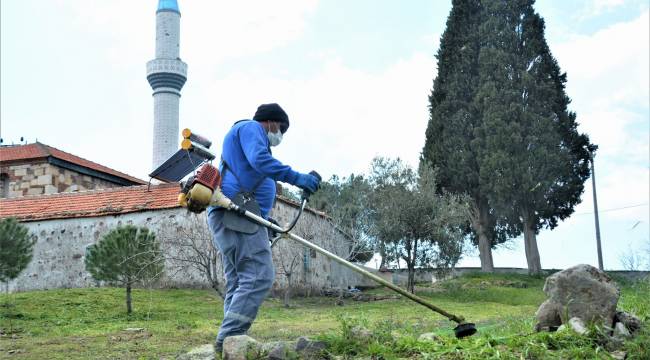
[[127, 255], [451, 143], [533, 160], [16, 248]]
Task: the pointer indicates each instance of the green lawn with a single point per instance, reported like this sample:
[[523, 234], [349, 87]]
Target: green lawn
[[91, 323]]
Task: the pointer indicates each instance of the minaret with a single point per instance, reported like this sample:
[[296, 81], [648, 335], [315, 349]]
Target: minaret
[[166, 75]]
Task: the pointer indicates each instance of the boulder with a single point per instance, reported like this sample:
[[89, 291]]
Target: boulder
[[581, 291], [241, 347]]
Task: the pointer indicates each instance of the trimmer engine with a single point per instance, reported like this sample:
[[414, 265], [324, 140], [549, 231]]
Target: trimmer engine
[[197, 191]]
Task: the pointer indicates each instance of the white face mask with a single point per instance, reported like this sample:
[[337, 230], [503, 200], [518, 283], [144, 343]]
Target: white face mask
[[274, 138]]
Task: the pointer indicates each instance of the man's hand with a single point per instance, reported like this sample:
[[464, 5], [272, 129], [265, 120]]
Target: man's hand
[[308, 182]]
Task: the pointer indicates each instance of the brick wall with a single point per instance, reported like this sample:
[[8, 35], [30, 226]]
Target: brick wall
[[43, 178]]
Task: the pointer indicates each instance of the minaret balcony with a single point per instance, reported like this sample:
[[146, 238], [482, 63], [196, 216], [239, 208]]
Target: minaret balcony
[[167, 73]]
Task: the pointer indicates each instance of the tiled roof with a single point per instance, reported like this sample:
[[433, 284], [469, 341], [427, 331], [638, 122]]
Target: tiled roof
[[91, 203], [114, 201], [16, 153]]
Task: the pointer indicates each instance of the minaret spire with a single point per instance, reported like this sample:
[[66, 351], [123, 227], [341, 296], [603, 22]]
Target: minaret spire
[[166, 75]]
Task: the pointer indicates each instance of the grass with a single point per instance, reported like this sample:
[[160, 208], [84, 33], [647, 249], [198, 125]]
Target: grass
[[91, 323]]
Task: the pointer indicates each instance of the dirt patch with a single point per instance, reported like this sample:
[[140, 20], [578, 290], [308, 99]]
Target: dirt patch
[[127, 336]]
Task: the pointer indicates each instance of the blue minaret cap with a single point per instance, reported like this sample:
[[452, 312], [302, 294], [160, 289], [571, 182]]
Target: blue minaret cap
[[168, 5]]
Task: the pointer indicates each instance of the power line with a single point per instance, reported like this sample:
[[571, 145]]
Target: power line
[[614, 209]]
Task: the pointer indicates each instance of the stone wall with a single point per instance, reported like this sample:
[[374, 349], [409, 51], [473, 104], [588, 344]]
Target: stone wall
[[60, 248], [44, 178], [400, 276]]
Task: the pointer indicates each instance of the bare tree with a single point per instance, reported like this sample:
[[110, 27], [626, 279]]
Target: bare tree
[[630, 259], [191, 247], [288, 259], [345, 201]]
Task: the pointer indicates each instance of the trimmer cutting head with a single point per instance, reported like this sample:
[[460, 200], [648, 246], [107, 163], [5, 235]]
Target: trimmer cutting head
[[464, 330]]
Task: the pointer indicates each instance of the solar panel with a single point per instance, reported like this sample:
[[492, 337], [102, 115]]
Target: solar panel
[[179, 165]]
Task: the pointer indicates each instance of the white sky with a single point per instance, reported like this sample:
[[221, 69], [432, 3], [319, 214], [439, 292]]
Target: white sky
[[354, 77]]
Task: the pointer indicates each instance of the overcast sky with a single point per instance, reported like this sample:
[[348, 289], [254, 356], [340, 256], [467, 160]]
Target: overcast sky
[[353, 76]]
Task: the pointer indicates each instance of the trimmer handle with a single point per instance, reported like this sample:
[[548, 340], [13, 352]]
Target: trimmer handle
[[306, 193]]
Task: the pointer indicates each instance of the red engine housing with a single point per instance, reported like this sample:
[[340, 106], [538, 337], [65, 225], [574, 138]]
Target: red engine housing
[[209, 176]]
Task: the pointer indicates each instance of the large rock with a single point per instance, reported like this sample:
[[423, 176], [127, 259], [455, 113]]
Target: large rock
[[581, 291], [241, 347]]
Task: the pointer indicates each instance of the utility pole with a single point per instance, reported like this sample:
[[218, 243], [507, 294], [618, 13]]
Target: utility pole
[[593, 183]]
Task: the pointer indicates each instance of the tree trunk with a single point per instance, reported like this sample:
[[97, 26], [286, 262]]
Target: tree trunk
[[287, 292], [532, 253], [410, 282], [129, 309], [382, 254], [479, 220], [217, 288]]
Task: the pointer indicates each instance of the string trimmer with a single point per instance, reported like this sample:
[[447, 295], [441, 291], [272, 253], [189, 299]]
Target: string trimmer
[[204, 190]]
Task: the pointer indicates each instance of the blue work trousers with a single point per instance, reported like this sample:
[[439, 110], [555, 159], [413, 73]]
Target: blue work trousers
[[249, 273]]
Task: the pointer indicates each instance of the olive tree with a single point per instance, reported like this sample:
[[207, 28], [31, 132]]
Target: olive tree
[[422, 226]]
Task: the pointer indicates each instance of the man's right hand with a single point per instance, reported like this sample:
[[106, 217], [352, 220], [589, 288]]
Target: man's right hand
[[308, 182]]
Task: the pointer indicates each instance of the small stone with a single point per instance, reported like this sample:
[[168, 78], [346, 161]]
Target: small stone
[[203, 352], [631, 322], [240, 347], [578, 325], [621, 331], [277, 350], [548, 315], [134, 329], [561, 328], [429, 337], [310, 348], [361, 334], [618, 355]]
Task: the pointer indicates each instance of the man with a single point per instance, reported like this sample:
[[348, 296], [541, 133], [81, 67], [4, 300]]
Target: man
[[248, 166]]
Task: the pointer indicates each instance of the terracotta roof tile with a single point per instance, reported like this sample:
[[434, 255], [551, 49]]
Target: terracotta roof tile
[[42, 151], [91, 203], [102, 202]]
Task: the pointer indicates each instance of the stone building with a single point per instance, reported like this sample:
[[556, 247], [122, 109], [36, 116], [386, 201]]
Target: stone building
[[65, 224], [36, 169]]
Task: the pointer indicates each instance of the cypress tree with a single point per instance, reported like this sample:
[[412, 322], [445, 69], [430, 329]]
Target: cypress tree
[[125, 256], [533, 160], [452, 145], [16, 249]]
